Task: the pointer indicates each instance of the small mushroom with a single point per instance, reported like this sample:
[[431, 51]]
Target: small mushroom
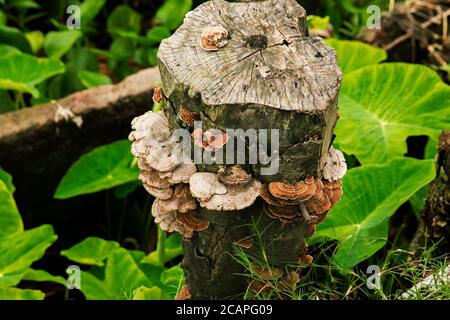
[[188, 117], [166, 211], [335, 165], [150, 177], [164, 215], [208, 140], [184, 293], [204, 185], [215, 140], [285, 214], [236, 198], [333, 189], [189, 222], [214, 38], [158, 95], [233, 175], [160, 193], [245, 243]]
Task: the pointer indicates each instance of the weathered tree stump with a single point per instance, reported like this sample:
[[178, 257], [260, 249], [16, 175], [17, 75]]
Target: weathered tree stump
[[251, 65], [434, 222]]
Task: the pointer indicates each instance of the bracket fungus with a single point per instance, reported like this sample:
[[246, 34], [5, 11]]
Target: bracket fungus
[[217, 196], [210, 140], [335, 165], [164, 170], [214, 38], [188, 117], [311, 199], [178, 213], [158, 95]]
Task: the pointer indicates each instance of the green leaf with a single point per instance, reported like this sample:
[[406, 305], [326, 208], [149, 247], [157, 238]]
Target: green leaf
[[103, 168], [121, 49], [91, 251], [7, 104], [93, 79], [7, 180], [23, 72], [43, 276], [171, 279], [417, 200], [122, 191], [123, 18], [10, 220], [157, 34], [152, 60], [13, 37], [58, 43], [143, 293], [372, 194], [3, 19], [23, 4], [353, 55], [89, 9], [20, 294], [8, 50], [318, 23], [172, 12], [36, 40], [431, 148], [122, 278], [382, 105], [19, 250]]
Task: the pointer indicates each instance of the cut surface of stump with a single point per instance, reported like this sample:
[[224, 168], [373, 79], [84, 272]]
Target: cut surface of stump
[[250, 65]]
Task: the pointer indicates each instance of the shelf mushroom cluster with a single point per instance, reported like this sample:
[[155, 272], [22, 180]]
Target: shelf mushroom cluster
[[310, 199], [165, 174], [172, 178]]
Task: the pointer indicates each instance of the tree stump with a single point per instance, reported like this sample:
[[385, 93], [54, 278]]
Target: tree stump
[[250, 65], [434, 224]]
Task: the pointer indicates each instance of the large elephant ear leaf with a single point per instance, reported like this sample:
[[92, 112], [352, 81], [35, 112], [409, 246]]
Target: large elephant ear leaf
[[10, 219], [353, 55], [359, 222], [22, 72], [381, 105]]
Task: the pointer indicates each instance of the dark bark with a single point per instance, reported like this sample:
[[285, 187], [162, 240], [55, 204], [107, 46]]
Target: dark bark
[[434, 224]]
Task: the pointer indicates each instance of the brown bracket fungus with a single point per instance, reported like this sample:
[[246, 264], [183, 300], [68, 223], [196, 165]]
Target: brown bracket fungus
[[214, 38], [189, 222], [158, 95], [178, 213], [188, 117]]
